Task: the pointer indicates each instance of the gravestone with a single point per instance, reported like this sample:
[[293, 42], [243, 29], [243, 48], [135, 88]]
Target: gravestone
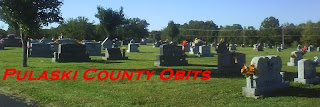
[[299, 48], [171, 55], [71, 53], [156, 44], [143, 42], [187, 49], [255, 47], [66, 41], [40, 50], [306, 72], [1, 46], [283, 46], [231, 62], [294, 58], [259, 48], [114, 54], [116, 44], [318, 49], [194, 48], [267, 78], [233, 48], [12, 42], [205, 51], [213, 44], [222, 48], [311, 48], [278, 49], [107, 43], [265, 45], [93, 49], [132, 47]]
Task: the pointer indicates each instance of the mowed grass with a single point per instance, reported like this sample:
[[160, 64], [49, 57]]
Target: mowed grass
[[219, 90]]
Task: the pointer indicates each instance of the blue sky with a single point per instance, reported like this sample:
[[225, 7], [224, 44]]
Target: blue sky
[[223, 12]]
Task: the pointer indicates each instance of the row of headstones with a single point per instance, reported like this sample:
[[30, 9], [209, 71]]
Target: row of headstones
[[268, 78]]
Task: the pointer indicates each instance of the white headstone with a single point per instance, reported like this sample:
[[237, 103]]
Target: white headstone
[[306, 72], [205, 51]]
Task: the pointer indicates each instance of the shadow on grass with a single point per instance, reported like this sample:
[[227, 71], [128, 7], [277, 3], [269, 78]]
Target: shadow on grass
[[289, 76], [146, 52], [297, 92], [104, 62], [202, 65]]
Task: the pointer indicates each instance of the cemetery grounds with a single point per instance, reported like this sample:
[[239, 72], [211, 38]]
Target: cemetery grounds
[[219, 90]]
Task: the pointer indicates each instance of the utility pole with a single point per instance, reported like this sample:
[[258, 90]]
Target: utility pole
[[282, 35], [243, 35]]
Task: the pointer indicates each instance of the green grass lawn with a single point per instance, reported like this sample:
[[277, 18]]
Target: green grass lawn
[[219, 90]]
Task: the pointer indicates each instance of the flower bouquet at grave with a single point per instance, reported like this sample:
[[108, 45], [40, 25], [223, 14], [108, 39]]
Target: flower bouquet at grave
[[56, 41], [248, 71]]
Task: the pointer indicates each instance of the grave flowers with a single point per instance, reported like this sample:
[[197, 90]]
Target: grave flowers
[[294, 55], [248, 71]]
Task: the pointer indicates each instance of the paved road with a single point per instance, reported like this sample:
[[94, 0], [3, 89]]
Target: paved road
[[5, 101]]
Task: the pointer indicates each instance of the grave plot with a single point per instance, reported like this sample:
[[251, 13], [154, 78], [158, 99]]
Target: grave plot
[[71, 53], [171, 55], [306, 72], [266, 77]]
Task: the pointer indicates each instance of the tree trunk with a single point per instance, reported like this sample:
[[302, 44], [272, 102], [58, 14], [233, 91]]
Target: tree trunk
[[24, 49]]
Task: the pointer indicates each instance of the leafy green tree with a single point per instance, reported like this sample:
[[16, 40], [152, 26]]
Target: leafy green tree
[[270, 31], [79, 28], [133, 28], [110, 19], [3, 33], [310, 34], [170, 32], [207, 30], [156, 35], [293, 34], [251, 34], [232, 34], [28, 16]]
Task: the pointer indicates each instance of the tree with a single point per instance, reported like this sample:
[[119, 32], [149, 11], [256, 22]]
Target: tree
[[232, 34], [133, 28], [203, 30], [110, 19], [79, 28], [170, 32], [310, 34], [28, 16], [269, 31]]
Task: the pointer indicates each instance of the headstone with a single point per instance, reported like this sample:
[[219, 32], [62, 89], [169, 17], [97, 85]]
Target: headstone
[[233, 48], [156, 44], [306, 72], [132, 47], [194, 49], [205, 51], [311, 48], [107, 43], [231, 62], [255, 47], [213, 44], [299, 48], [187, 48], [143, 42], [40, 50], [114, 54], [318, 49], [93, 49], [265, 45], [124, 42], [294, 58], [267, 78], [222, 48], [259, 48], [116, 43], [71, 53], [278, 49], [12, 42], [1, 46], [283, 46], [171, 55]]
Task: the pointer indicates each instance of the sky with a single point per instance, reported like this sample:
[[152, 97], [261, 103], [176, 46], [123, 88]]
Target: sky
[[222, 12]]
